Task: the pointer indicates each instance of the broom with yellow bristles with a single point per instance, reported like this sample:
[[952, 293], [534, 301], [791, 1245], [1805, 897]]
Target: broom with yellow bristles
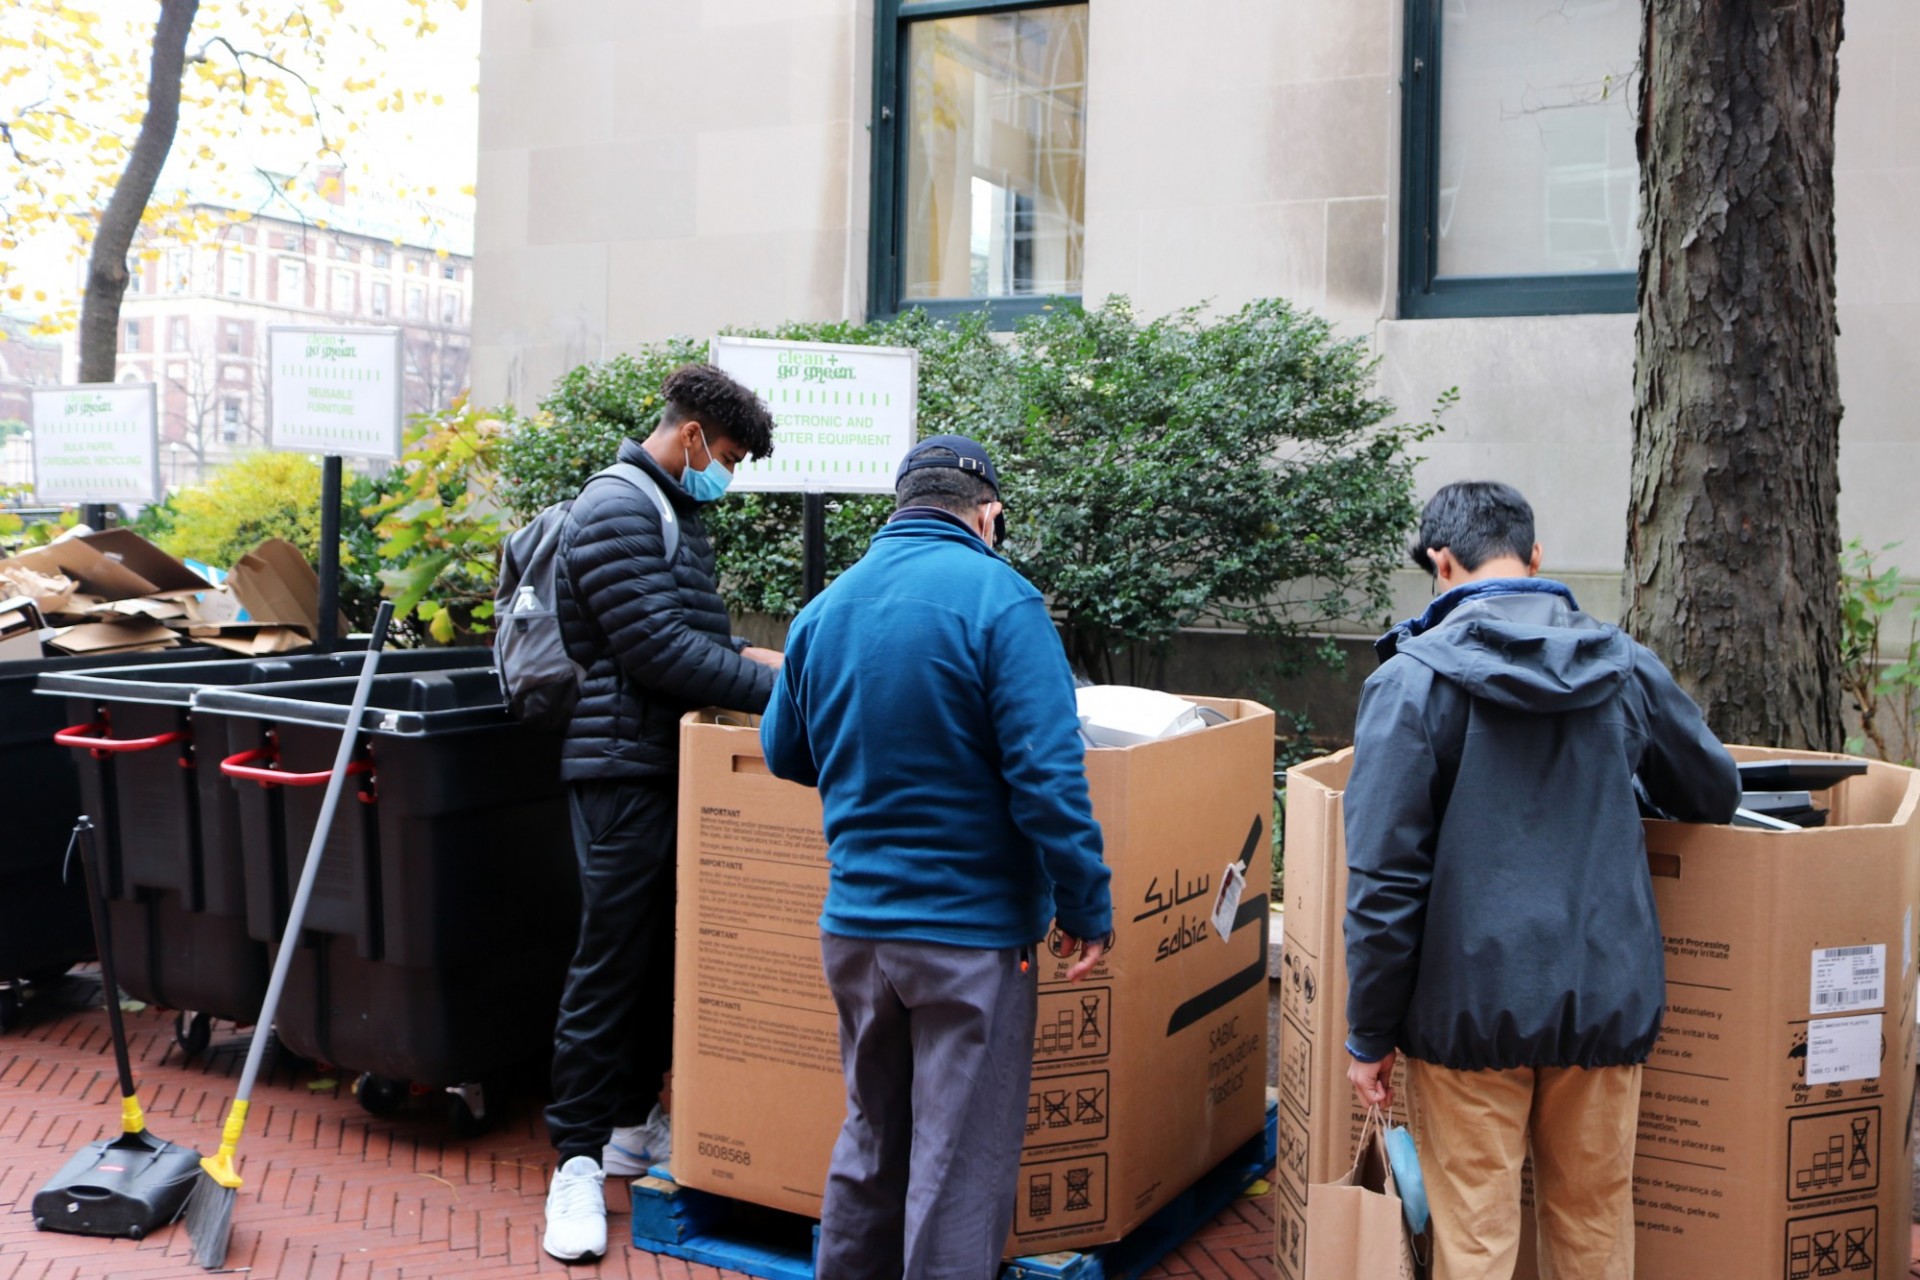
[[210, 1207]]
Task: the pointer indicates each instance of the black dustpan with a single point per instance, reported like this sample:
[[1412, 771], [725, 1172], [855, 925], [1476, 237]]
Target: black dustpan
[[125, 1186], [129, 1185]]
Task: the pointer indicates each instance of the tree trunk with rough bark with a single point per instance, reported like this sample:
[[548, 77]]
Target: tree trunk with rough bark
[[113, 237], [1733, 539]]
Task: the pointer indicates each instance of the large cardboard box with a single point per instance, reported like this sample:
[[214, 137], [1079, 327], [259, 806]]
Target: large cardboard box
[[1146, 1075], [1776, 1112]]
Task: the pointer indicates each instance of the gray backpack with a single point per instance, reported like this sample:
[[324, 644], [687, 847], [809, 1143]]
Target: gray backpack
[[540, 681]]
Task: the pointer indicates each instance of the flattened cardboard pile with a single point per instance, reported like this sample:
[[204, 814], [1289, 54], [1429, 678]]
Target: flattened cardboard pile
[[115, 592], [280, 595]]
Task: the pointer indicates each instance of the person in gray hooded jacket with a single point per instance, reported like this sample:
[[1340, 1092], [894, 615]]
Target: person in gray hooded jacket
[[1501, 930]]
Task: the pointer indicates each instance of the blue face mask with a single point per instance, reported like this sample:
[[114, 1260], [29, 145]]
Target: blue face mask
[[710, 483]]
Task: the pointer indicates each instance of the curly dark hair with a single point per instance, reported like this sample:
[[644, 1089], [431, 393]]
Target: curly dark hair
[[721, 404]]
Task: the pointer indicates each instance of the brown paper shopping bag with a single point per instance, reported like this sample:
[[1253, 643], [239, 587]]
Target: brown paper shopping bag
[[1355, 1226]]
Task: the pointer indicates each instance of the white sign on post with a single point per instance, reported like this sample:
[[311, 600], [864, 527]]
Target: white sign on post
[[96, 443], [334, 391], [843, 415]]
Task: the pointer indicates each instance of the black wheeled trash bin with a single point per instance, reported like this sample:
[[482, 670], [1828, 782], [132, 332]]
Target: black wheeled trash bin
[[168, 824], [43, 919], [444, 916]]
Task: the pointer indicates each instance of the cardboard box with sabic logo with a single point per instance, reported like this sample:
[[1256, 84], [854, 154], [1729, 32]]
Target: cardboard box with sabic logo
[[1776, 1112], [1146, 1075]]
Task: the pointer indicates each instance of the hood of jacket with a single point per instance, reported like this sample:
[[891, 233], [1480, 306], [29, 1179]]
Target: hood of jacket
[[1520, 643]]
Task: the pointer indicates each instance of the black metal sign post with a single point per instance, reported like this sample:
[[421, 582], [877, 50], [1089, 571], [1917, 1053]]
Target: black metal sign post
[[813, 545], [327, 394], [325, 641]]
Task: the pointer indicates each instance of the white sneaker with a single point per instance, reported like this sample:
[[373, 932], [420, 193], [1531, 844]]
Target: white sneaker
[[638, 1147], [576, 1212]]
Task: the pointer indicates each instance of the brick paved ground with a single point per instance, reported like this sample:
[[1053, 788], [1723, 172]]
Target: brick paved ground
[[331, 1192]]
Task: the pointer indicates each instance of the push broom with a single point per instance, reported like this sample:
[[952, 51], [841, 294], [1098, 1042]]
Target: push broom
[[124, 1186], [210, 1206]]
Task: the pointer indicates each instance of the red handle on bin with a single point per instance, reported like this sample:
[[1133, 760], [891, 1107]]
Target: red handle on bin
[[88, 738], [241, 766]]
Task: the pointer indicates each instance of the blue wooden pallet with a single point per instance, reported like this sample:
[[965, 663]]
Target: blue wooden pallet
[[699, 1226]]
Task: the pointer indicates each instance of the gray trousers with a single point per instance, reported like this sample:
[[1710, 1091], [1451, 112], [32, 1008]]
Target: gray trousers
[[937, 1045]]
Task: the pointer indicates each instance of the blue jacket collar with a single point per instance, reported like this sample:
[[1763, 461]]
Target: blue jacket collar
[[912, 522], [1389, 644]]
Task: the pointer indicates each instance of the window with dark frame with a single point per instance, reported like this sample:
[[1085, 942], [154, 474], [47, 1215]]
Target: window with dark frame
[[979, 160], [1520, 185]]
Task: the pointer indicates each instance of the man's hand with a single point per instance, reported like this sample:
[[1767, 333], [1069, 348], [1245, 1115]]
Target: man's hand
[[1090, 953], [1373, 1081], [765, 657]]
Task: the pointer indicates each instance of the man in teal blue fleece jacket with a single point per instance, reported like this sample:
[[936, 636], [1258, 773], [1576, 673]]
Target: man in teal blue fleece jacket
[[927, 696]]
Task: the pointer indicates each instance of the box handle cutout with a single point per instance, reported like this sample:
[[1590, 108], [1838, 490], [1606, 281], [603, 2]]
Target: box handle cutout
[[1664, 864], [752, 764]]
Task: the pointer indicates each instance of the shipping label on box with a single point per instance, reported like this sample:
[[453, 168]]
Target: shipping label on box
[[1145, 1075], [1776, 1108]]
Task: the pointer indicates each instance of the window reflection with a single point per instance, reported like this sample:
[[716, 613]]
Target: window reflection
[[1538, 174], [995, 155]]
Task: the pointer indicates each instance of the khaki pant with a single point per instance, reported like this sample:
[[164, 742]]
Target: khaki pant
[[1473, 1130]]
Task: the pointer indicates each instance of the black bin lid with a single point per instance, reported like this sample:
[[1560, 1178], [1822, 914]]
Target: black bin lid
[[405, 704], [175, 685]]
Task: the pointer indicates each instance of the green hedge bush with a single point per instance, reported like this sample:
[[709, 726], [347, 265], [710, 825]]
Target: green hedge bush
[[1191, 470], [1235, 470]]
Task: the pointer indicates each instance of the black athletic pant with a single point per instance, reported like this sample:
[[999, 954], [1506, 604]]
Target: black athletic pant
[[614, 1039]]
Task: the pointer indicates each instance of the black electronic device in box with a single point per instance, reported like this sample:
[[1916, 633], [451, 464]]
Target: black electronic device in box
[[1797, 775]]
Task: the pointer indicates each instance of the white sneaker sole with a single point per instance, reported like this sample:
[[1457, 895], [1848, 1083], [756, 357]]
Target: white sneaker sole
[[582, 1256]]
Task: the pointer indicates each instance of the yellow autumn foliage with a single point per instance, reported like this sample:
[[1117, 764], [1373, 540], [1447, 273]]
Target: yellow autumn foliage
[[260, 496]]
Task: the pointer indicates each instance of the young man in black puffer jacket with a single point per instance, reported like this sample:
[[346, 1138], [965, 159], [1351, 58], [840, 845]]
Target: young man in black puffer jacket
[[655, 642]]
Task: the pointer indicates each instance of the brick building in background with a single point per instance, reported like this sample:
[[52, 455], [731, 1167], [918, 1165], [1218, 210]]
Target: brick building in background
[[195, 316], [26, 362]]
